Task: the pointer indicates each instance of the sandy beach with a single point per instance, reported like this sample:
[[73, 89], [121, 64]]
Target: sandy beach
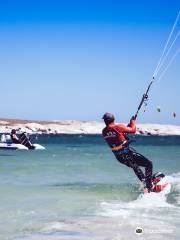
[[79, 127]]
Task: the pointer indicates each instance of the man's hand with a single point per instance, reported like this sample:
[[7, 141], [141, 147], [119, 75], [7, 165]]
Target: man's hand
[[133, 118]]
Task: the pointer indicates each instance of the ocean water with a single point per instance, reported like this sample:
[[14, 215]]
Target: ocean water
[[76, 189]]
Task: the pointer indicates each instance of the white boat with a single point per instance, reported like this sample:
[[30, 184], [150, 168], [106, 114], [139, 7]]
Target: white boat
[[12, 146], [6, 144]]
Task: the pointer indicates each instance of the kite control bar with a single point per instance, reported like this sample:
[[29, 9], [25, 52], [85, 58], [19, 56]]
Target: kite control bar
[[144, 99]]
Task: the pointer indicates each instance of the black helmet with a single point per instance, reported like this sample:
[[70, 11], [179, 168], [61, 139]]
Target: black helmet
[[13, 131], [108, 118]]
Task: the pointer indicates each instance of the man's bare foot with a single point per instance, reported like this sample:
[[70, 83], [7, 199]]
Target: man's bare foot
[[146, 190]]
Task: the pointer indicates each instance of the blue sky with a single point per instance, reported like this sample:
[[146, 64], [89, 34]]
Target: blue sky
[[79, 59]]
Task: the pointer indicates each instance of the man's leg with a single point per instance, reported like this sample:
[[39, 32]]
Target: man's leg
[[140, 160], [135, 160], [128, 160]]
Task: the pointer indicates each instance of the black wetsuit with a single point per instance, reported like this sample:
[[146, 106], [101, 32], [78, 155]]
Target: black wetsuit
[[134, 160]]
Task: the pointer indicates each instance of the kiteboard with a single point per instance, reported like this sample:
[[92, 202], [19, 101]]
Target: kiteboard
[[158, 183]]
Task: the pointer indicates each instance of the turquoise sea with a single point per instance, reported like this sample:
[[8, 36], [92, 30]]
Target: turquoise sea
[[76, 189]]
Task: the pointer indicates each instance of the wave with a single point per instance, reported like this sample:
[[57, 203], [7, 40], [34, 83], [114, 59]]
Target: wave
[[156, 213], [169, 198]]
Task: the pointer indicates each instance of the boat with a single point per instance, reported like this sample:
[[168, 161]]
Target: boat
[[7, 144]]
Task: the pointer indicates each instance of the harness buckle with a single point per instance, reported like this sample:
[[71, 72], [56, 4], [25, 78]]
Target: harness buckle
[[119, 147]]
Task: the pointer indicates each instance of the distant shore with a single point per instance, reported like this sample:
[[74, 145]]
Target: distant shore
[[79, 127]]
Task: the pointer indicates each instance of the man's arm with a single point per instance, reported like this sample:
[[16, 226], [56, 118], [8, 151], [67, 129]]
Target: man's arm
[[130, 128]]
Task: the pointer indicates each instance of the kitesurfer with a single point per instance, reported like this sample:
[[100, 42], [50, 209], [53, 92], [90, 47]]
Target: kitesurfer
[[114, 135]]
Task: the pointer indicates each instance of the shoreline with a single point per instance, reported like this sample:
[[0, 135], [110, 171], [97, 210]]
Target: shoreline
[[80, 127]]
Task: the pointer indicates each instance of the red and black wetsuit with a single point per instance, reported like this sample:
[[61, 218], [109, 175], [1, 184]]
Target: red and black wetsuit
[[115, 138]]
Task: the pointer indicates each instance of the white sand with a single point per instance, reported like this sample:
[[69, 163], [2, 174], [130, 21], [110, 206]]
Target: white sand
[[83, 127]]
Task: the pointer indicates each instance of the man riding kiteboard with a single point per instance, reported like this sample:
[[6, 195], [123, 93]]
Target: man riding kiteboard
[[114, 135]]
